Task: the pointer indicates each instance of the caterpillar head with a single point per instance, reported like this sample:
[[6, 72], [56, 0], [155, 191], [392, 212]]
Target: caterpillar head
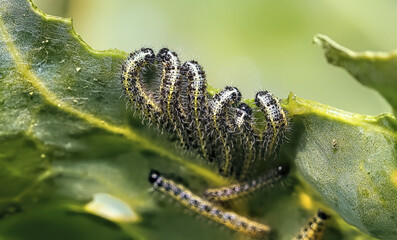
[[153, 176]]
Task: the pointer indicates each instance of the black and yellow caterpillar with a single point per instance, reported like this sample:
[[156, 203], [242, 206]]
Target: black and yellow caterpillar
[[206, 208], [221, 127]]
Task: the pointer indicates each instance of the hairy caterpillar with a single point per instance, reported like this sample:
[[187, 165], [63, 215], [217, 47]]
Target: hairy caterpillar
[[314, 229], [134, 85], [170, 88], [247, 137], [218, 113], [206, 208], [277, 121], [245, 188], [196, 105], [220, 128]]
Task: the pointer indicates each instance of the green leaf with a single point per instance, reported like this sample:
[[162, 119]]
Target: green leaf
[[376, 70], [74, 161], [65, 132], [350, 159]]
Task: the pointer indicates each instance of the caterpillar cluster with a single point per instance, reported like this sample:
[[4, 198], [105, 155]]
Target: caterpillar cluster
[[221, 128]]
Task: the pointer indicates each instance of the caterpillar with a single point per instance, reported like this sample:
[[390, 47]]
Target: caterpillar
[[247, 137], [219, 110], [170, 88], [196, 105], [242, 189], [314, 229], [206, 208], [220, 128], [134, 85], [277, 122]]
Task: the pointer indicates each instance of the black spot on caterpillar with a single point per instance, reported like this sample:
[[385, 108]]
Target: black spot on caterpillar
[[242, 189], [220, 128], [206, 208], [314, 229]]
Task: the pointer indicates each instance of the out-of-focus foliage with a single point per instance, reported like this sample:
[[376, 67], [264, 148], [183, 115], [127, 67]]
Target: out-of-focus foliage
[[74, 162], [249, 44], [376, 70]]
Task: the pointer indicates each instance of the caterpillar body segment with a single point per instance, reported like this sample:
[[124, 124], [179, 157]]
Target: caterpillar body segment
[[243, 189], [206, 208]]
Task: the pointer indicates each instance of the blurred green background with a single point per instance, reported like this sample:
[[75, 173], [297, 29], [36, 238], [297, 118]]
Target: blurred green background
[[249, 44]]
